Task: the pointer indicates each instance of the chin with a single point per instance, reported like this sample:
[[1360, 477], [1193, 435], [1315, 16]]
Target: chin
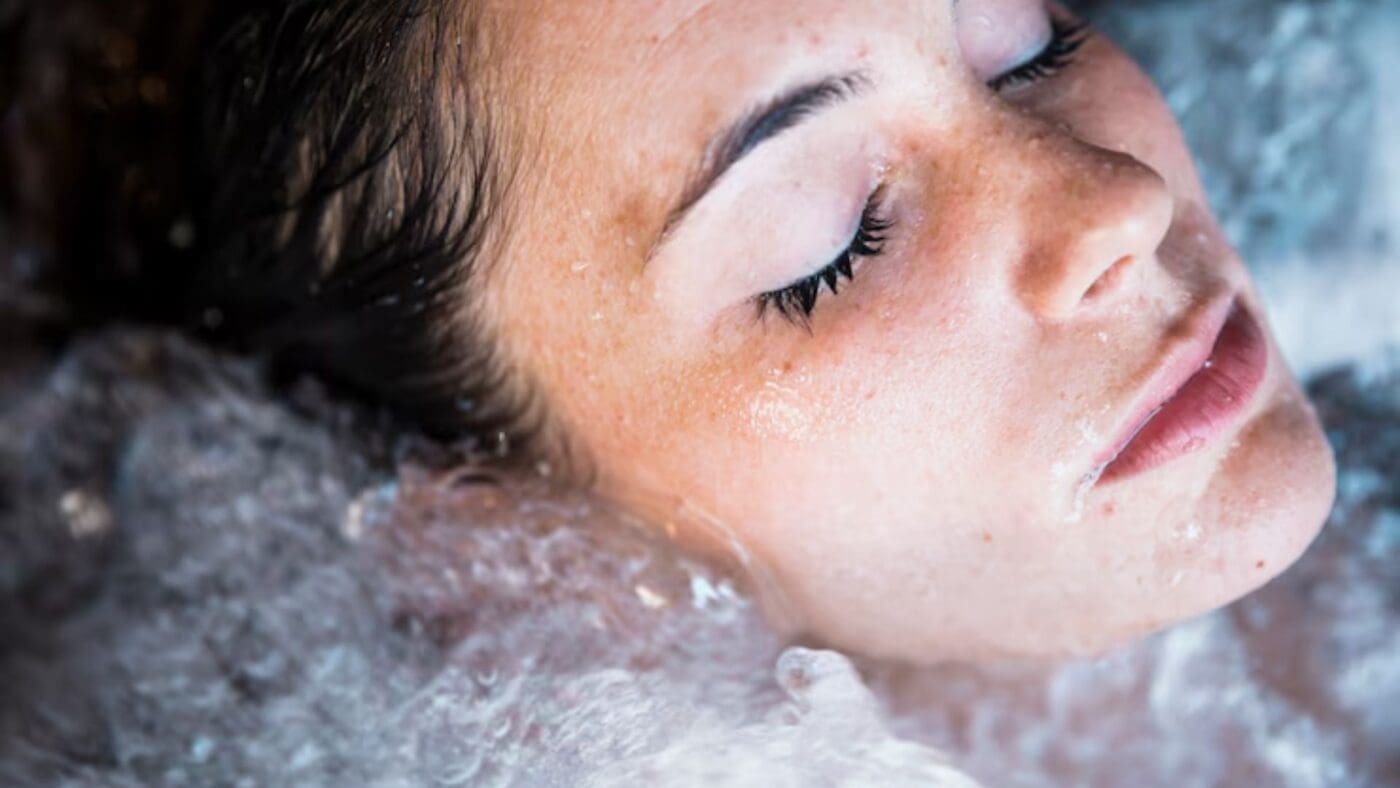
[[1267, 501], [1260, 502]]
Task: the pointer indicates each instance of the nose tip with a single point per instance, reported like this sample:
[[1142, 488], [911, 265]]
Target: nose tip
[[1106, 220]]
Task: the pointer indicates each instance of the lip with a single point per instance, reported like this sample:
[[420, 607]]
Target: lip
[[1205, 380]]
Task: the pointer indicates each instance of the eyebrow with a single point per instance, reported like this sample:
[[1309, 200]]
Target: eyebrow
[[756, 126]]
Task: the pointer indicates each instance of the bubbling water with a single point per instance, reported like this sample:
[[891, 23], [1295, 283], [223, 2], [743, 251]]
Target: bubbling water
[[228, 592]]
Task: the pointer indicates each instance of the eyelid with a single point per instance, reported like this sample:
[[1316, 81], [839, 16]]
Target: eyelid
[[772, 220], [797, 300], [1066, 37]]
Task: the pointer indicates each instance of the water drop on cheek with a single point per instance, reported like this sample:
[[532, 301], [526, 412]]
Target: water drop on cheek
[[1088, 435], [1081, 494]]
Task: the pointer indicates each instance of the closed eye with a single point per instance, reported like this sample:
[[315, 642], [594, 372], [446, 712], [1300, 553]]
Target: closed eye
[[1065, 40], [796, 301]]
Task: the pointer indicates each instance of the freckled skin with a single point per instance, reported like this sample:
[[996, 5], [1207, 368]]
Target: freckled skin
[[909, 470]]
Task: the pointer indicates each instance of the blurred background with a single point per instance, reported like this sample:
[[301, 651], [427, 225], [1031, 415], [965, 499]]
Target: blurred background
[[210, 578]]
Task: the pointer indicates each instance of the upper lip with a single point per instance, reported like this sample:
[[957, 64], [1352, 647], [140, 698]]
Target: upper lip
[[1180, 357]]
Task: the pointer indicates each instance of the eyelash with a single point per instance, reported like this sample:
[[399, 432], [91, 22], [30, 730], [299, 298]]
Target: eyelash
[[796, 301], [1065, 40]]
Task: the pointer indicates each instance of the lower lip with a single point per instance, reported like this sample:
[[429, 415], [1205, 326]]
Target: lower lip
[[1205, 406]]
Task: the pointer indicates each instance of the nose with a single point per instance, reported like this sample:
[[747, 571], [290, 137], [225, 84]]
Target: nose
[[1102, 214]]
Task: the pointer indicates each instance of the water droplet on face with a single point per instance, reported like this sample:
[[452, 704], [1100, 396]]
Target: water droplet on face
[[579, 266], [597, 316], [1081, 493], [1087, 431], [1103, 337]]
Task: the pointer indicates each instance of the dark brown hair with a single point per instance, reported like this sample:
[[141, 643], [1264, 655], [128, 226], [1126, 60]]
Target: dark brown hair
[[312, 179]]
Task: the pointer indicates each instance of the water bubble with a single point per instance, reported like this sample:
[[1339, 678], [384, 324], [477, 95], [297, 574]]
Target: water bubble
[[182, 234], [201, 748], [353, 525], [649, 598], [502, 444], [86, 514]]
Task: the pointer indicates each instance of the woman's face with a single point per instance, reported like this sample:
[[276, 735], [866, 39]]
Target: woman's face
[[1038, 414]]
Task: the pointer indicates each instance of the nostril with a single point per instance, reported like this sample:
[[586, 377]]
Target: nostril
[[1108, 281]]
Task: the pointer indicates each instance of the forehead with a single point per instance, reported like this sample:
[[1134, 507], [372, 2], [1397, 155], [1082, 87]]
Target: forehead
[[636, 89]]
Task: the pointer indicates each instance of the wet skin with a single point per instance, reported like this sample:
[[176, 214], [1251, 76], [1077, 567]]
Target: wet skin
[[913, 466]]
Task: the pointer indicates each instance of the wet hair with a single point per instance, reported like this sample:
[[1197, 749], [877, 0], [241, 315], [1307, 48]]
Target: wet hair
[[329, 174]]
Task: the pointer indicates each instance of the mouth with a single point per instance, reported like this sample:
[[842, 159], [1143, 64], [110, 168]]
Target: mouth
[[1203, 385]]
